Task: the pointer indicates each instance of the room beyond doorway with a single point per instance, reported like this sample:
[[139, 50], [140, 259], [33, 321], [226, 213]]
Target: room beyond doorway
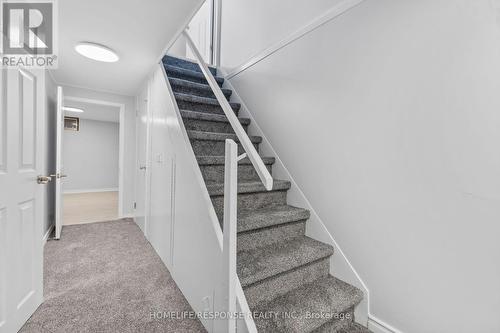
[[80, 208], [91, 158]]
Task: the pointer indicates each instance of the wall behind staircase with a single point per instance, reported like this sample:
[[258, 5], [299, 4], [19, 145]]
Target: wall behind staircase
[[388, 119]]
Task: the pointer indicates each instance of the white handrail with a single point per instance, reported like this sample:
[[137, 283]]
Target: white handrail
[[229, 231], [248, 146]]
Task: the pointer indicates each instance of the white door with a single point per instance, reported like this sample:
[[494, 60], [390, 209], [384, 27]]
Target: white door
[[59, 175], [21, 208], [200, 31], [142, 172]]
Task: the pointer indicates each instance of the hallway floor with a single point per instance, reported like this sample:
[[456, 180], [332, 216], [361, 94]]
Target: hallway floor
[[105, 277], [90, 207]]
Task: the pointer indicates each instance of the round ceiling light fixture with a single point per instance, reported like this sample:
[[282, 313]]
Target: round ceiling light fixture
[[72, 109], [96, 52]]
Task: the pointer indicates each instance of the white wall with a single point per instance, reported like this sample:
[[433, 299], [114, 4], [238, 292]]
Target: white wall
[[128, 135], [181, 221], [248, 27], [90, 156], [387, 118]]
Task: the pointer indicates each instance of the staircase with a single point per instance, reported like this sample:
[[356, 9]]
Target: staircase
[[284, 274]]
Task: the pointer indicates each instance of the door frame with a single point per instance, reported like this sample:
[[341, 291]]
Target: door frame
[[216, 6], [121, 145], [147, 174]]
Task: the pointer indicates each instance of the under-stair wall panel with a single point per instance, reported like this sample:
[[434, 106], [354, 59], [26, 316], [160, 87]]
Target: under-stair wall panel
[[184, 224]]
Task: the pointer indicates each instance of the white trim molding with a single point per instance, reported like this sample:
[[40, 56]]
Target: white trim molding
[[48, 233], [378, 326], [334, 12]]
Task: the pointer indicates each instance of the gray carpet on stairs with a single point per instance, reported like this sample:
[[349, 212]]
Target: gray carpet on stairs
[[284, 274], [106, 277]]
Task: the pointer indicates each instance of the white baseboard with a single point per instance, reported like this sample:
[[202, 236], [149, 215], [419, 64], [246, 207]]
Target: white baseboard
[[47, 234], [92, 190], [378, 326]]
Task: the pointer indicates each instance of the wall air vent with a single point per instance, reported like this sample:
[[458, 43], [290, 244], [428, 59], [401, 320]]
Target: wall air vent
[[71, 123]]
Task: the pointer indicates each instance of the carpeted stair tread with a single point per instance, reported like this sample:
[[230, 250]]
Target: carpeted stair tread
[[324, 296], [186, 64], [215, 189], [268, 217], [188, 114], [211, 136], [265, 262], [186, 74], [203, 100], [195, 88], [221, 160]]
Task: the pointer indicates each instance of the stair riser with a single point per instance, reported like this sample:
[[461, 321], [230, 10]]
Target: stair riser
[[213, 148], [183, 76], [192, 66], [336, 325], [268, 289], [267, 236], [200, 107], [209, 126], [249, 201], [215, 173], [197, 92]]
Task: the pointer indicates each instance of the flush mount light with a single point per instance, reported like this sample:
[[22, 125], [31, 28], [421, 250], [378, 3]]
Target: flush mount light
[[96, 52], [71, 109]]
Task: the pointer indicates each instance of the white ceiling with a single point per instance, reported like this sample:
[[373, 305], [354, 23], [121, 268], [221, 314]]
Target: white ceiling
[[138, 31], [94, 111]]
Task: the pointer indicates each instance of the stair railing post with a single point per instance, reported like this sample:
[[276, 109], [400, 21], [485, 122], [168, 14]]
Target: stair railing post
[[229, 231]]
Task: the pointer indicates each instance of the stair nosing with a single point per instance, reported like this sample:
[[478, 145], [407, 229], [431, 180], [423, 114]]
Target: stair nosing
[[296, 215], [217, 189], [191, 73], [215, 136], [221, 160], [174, 81], [321, 251], [202, 100], [353, 296], [165, 61], [214, 117]]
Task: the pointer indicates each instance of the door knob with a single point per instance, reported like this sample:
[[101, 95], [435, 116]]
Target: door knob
[[43, 179]]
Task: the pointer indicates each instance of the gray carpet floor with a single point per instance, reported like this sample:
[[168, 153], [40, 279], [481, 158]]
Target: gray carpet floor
[[106, 277]]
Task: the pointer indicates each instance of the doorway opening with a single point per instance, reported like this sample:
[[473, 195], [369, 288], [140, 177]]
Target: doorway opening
[[92, 156]]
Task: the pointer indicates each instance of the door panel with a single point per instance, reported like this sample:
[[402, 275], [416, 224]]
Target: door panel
[[3, 210], [3, 263], [59, 162], [21, 222], [3, 120], [200, 31], [25, 249], [27, 120], [142, 172]]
